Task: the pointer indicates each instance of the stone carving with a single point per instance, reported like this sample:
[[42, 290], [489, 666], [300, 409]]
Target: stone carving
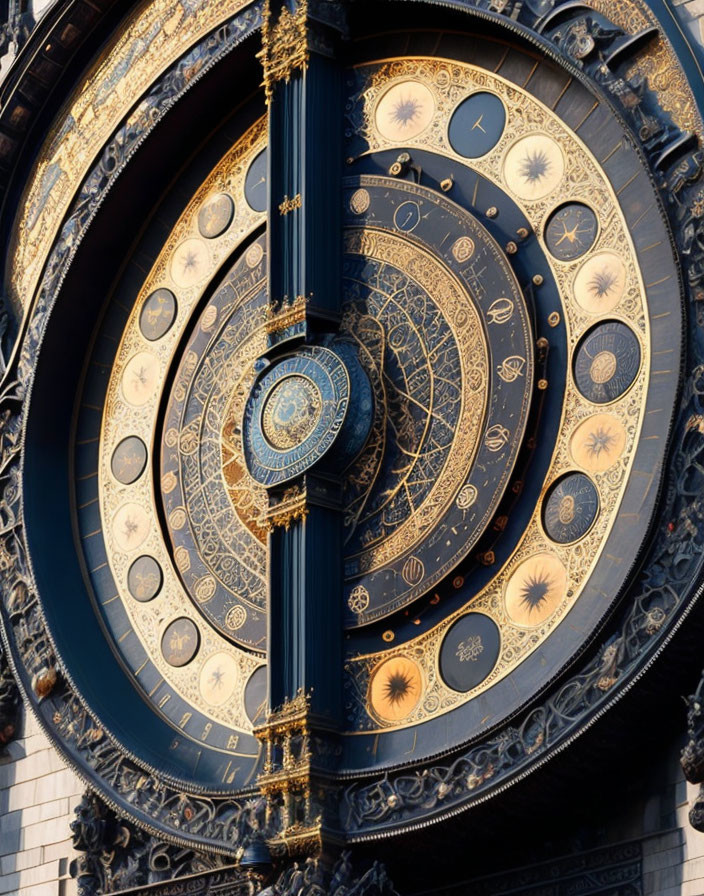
[[116, 855], [9, 703], [311, 879]]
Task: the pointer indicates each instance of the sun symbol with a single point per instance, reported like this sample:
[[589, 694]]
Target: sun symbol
[[600, 440], [535, 166], [190, 262], [397, 687], [535, 590], [603, 282], [405, 111], [217, 677]]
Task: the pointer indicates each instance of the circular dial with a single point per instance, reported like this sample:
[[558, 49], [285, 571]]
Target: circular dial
[[489, 402]]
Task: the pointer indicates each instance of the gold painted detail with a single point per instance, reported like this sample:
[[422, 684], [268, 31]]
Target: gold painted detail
[[284, 45], [291, 508], [288, 779], [286, 315], [290, 204], [291, 412]]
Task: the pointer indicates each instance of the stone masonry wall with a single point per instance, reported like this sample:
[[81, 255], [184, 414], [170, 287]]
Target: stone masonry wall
[[37, 797]]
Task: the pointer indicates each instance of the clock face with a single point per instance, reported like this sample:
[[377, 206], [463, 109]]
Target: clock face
[[493, 404]]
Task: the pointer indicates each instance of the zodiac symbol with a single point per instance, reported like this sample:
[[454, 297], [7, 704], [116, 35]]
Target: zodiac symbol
[[466, 497], [469, 650], [236, 617], [413, 571], [205, 589], [511, 368], [359, 599], [178, 642], [496, 437], [463, 248], [500, 311], [359, 202]]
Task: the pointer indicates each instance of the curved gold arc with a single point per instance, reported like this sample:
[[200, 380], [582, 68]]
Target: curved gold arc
[[156, 35]]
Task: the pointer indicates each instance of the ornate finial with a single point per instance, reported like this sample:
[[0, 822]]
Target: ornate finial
[[284, 44]]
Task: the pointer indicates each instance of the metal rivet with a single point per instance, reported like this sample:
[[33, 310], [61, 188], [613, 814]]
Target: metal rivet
[[542, 385], [492, 212], [554, 318], [388, 636], [537, 280], [511, 248]]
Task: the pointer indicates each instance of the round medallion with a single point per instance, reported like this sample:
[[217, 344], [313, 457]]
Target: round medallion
[[130, 526], [255, 183], [536, 589], [215, 215], [128, 460], [469, 651], [600, 283], [534, 167], [190, 263], [598, 442], [158, 314], [180, 641], [404, 111], [291, 412], [476, 125], [570, 508], [219, 678], [571, 231], [396, 688], [144, 578], [607, 362], [139, 379]]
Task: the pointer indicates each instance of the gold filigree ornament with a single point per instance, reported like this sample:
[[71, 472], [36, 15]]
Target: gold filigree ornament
[[284, 45]]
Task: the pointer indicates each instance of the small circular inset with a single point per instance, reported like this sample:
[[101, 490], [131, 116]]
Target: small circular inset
[[255, 696], [218, 678], [536, 589], [404, 111], [600, 283], [190, 263], [180, 641], [129, 460], [571, 231], [158, 314], [254, 255], [395, 689], [255, 183], [216, 215], [607, 361], [130, 527], [469, 651], [407, 216], [534, 167], [570, 508], [598, 442], [291, 412], [476, 125], [139, 379], [144, 578], [359, 201], [235, 617], [413, 571], [358, 601]]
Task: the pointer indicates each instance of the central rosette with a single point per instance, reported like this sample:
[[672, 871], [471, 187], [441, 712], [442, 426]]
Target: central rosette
[[291, 412], [309, 407]]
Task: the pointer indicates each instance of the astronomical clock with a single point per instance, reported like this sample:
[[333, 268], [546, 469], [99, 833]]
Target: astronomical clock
[[352, 426]]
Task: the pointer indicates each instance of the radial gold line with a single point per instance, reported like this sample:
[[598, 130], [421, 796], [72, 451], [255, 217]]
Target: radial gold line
[[595, 106], [503, 59], [613, 152], [561, 94], [627, 184], [531, 73]]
